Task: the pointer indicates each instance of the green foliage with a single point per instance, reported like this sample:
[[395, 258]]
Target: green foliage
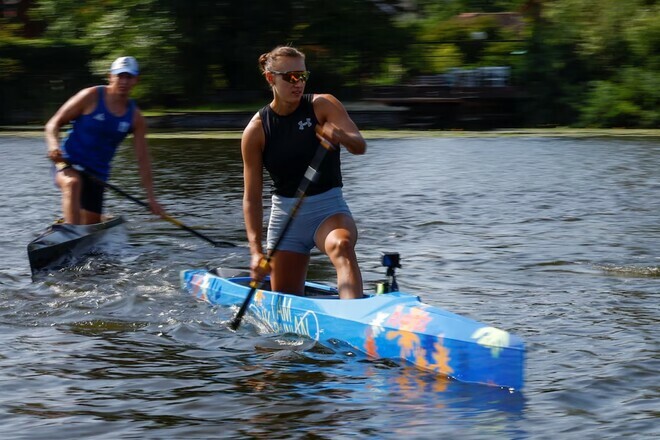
[[642, 35], [147, 34], [10, 69], [37, 76], [591, 61], [467, 41], [446, 9], [632, 100], [443, 57], [140, 28], [614, 47], [392, 73], [8, 30]]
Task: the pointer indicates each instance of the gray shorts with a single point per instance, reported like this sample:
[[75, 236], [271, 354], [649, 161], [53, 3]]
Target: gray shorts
[[313, 211]]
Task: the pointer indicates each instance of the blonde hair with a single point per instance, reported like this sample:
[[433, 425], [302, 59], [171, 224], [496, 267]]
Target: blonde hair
[[266, 60]]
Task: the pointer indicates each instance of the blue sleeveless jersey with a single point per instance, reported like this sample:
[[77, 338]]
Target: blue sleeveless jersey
[[94, 138]]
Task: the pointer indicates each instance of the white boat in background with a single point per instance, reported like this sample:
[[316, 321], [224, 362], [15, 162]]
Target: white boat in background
[[61, 243]]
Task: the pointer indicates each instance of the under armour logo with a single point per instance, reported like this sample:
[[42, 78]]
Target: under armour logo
[[100, 117], [302, 124], [123, 126]]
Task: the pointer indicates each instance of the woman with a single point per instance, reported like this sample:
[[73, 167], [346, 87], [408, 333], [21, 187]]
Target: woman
[[282, 137], [102, 117]]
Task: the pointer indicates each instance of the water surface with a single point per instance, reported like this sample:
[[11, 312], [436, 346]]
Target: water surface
[[554, 239]]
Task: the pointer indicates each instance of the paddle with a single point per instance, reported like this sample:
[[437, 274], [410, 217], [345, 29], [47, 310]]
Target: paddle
[[146, 205], [310, 176]]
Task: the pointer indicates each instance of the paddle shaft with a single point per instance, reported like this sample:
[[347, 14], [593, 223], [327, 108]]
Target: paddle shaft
[[146, 205], [310, 176]]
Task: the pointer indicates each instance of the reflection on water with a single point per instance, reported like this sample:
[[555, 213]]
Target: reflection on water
[[556, 240]]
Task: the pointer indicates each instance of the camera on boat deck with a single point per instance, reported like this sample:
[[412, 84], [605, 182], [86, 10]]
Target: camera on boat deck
[[391, 261]]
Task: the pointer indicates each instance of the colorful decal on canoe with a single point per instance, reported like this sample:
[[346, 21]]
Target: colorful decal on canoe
[[407, 324], [493, 338], [200, 288], [259, 296], [430, 353], [370, 346], [377, 323], [434, 357], [441, 358], [281, 317], [373, 331]]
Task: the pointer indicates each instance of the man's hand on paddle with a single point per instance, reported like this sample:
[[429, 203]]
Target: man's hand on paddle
[[55, 154], [156, 209]]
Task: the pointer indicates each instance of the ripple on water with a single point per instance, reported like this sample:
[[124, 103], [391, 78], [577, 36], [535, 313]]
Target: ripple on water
[[553, 239]]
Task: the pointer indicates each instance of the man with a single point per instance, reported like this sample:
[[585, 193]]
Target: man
[[102, 117]]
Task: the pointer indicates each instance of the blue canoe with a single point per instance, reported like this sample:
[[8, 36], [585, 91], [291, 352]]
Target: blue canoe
[[393, 325]]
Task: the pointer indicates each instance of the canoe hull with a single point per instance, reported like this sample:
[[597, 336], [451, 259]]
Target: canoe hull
[[394, 325], [61, 243]]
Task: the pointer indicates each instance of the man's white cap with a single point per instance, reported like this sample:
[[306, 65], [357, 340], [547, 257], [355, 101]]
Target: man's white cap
[[125, 65]]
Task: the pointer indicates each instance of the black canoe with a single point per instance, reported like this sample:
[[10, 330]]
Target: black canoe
[[61, 243]]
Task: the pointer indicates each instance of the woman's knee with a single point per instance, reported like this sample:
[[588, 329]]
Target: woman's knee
[[336, 234], [340, 246]]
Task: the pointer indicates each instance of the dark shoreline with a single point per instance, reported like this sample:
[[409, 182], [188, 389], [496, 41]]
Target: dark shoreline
[[366, 118], [36, 131], [375, 121]]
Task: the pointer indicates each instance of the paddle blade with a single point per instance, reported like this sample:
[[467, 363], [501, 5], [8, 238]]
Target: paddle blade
[[236, 322]]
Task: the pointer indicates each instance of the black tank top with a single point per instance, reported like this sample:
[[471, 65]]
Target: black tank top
[[291, 144]]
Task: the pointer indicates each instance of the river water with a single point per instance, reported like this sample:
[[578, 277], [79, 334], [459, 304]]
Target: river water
[[555, 239]]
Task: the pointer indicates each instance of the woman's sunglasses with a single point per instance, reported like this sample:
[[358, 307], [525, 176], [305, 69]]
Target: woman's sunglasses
[[293, 76]]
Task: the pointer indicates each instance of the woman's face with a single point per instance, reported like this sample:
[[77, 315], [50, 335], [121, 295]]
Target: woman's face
[[287, 76]]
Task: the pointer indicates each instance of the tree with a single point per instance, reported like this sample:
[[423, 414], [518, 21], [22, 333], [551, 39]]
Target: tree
[[614, 59], [189, 50], [140, 28]]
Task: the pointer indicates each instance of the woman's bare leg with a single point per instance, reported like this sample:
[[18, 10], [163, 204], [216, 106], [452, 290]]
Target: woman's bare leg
[[288, 272], [336, 237]]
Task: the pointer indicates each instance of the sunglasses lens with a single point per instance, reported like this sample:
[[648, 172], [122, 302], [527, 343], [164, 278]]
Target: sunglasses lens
[[294, 77]]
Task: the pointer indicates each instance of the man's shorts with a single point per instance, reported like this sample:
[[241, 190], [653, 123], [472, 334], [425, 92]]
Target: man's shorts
[[91, 194]]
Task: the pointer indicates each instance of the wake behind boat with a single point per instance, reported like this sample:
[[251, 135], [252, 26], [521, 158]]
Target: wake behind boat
[[62, 243], [391, 325]]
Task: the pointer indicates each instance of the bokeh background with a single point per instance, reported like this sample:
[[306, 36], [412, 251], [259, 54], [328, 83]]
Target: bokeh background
[[444, 63]]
